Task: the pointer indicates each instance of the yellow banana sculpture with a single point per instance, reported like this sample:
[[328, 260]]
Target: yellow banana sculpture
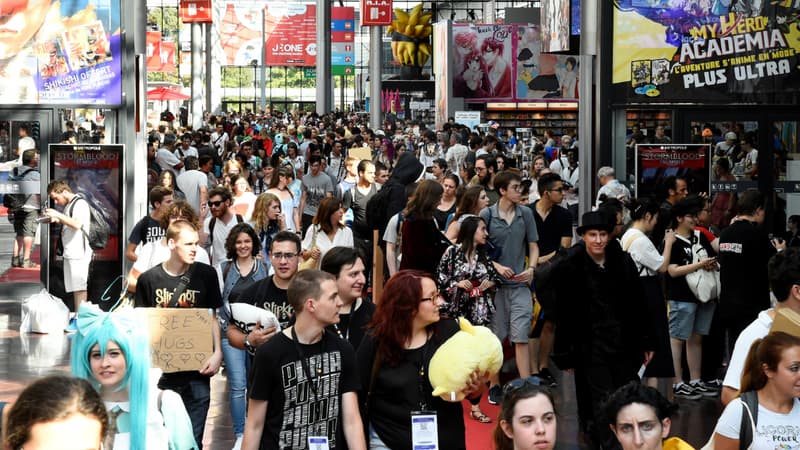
[[411, 33]]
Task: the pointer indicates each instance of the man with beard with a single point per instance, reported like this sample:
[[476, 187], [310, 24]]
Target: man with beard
[[485, 170]]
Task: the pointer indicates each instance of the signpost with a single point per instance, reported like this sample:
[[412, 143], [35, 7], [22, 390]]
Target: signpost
[[343, 55]]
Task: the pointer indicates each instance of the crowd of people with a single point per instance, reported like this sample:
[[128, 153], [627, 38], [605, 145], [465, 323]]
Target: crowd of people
[[302, 215]]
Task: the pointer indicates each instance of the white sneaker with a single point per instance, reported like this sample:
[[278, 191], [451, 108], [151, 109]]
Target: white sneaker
[[238, 444]]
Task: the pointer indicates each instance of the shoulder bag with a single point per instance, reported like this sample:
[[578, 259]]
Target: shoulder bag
[[704, 284]]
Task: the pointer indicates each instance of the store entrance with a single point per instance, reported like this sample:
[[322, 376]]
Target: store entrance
[[21, 236], [751, 152]]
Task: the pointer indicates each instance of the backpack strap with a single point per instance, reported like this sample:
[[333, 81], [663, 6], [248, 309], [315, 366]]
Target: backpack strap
[[749, 419], [181, 287], [211, 225]]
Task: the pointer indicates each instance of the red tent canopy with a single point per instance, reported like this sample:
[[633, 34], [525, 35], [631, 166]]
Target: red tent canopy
[[164, 93]]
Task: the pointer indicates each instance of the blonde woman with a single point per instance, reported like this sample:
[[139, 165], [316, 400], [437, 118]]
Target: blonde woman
[[268, 219]]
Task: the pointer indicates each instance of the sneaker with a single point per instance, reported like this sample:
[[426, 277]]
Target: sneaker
[[238, 444], [714, 384], [686, 391], [703, 389], [495, 395], [16, 261], [72, 327], [547, 377]]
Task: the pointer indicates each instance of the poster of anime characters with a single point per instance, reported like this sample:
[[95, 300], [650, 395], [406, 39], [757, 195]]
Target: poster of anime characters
[[543, 75], [60, 52], [483, 61], [706, 51]]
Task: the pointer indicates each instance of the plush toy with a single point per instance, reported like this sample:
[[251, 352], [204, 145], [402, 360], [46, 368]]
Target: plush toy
[[245, 317], [473, 347]]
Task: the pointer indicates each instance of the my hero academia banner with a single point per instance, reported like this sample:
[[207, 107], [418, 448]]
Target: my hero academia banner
[[706, 51]]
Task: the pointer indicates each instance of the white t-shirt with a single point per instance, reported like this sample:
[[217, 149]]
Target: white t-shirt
[[167, 160], [221, 231], [342, 238], [154, 253], [191, 182], [75, 244], [642, 251], [756, 330], [773, 431]]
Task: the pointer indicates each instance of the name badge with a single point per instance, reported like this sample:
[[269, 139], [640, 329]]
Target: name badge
[[424, 430], [318, 443]]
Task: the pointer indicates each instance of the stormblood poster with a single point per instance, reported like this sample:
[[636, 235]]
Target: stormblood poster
[[656, 162], [706, 51], [66, 52]]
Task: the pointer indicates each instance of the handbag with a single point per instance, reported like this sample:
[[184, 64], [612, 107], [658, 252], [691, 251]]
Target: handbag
[[311, 263], [704, 284]]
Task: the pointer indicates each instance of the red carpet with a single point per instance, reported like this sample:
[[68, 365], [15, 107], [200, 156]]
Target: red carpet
[[20, 275], [479, 435]]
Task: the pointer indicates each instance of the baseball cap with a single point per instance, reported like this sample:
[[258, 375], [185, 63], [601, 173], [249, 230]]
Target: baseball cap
[[731, 136]]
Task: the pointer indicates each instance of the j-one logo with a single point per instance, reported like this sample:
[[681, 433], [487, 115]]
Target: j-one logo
[[288, 48]]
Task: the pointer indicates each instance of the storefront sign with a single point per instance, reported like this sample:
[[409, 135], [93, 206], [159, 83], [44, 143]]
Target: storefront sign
[[706, 52], [470, 119], [656, 162], [66, 52], [376, 12]]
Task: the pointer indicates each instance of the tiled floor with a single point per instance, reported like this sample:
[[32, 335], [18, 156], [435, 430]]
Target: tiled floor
[[24, 358]]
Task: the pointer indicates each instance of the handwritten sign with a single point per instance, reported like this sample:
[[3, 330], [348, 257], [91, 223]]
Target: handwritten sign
[[180, 338]]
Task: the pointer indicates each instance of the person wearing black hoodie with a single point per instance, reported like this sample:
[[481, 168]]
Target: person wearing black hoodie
[[392, 198]]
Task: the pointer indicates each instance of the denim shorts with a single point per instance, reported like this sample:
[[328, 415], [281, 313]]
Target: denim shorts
[[686, 318]]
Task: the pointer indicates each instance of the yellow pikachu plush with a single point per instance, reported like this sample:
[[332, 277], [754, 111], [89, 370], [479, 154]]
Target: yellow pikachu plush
[[471, 348]]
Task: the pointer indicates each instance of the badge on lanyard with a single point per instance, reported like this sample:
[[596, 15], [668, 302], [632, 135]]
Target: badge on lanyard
[[318, 443], [424, 430]]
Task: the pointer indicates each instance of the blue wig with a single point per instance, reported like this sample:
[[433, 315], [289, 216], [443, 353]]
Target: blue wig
[[96, 327]]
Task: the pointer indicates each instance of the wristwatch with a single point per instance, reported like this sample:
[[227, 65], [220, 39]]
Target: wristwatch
[[250, 349]]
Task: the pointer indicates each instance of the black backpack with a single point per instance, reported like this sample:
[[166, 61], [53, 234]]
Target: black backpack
[[98, 227], [377, 209], [15, 202], [213, 222]]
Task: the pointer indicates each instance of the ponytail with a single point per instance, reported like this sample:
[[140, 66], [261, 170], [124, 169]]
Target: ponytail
[[765, 354], [753, 376]]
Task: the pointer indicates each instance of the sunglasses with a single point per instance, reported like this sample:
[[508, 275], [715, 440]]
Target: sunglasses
[[515, 385], [215, 204]]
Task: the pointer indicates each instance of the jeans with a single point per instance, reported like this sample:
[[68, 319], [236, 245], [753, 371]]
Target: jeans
[[374, 441], [236, 367], [196, 396]]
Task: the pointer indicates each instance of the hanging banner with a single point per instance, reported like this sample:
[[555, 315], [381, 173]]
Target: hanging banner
[[542, 75], [240, 33], [343, 54], [153, 51], [743, 51], [656, 162], [64, 52], [195, 11], [291, 30], [555, 18]]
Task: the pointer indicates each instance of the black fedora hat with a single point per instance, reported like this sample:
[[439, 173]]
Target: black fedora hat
[[595, 220]]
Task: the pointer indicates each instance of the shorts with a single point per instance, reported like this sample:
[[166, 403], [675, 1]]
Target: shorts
[[513, 313], [686, 318], [76, 274], [25, 222]]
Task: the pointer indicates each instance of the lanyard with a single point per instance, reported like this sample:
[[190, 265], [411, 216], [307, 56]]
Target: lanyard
[[346, 335], [423, 402], [304, 363]]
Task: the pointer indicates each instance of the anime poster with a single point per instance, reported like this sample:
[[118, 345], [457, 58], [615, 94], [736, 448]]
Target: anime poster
[[555, 20], [60, 52], [94, 172], [656, 162], [543, 75], [483, 61], [706, 51]]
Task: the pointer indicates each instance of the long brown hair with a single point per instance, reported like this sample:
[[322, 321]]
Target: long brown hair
[[426, 198], [394, 315], [510, 400], [327, 207], [768, 352], [468, 202]]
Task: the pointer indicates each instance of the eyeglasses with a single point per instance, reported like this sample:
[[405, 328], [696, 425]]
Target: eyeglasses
[[280, 256], [480, 169], [215, 204], [432, 298], [561, 189]]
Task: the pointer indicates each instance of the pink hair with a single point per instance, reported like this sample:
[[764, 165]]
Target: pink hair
[[466, 39]]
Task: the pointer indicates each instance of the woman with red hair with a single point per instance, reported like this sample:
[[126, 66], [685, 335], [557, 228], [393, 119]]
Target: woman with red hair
[[393, 360]]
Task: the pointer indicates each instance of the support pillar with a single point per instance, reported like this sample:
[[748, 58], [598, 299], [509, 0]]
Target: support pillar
[[324, 80]]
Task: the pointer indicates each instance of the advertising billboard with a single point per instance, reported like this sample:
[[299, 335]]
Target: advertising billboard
[[656, 162], [64, 52], [240, 33], [291, 30], [555, 18], [506, 62], [743, 51]]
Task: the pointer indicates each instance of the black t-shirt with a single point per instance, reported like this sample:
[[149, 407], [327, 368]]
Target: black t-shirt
[[265, 294], [295, 409], [557, 225], [357, 201], [441, 217], [744, 251], [155, 288], [352, 325], [395, 393], [677, 288], [146, 230]]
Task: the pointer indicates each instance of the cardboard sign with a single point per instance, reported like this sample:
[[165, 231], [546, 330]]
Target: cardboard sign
[[180, 338], [787, 321]]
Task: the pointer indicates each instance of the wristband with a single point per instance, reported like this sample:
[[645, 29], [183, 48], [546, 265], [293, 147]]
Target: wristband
[[250, 349]]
